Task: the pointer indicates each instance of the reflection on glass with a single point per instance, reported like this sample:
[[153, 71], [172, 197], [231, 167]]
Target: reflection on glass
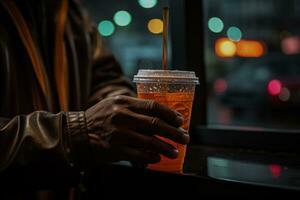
[[252, 172], [275, 170]]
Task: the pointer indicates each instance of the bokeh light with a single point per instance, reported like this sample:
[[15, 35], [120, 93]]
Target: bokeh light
[[275, 170], [234, 34], [285, 94], [250, 49], [122, 18], [106, 28], [156, 26], [274, 87], [225, 48], [220, 86], [147, 3], [290, 45], [215, 24]]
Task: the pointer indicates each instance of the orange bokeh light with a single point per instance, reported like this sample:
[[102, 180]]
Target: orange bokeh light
[[250, 48], [225, 48]]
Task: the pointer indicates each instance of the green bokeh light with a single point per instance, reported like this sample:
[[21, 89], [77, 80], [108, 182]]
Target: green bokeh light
[[215, 24], [234, 34], [122, 18], [147, 3], [106, 28]]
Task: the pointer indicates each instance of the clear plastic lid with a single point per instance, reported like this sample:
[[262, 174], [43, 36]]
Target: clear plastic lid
[[174, 76]]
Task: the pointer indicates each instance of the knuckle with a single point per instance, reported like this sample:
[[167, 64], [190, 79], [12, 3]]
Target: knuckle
[[155, 121], [152, 104], [116, 109], [118, 99]]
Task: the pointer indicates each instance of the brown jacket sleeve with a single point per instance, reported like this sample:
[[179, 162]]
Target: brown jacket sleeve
[[45, 142], [50, 142], [107, 76]]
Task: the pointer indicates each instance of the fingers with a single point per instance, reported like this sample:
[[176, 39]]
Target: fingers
[[135, 155], [152, 126], [152, 108], [148, 143]]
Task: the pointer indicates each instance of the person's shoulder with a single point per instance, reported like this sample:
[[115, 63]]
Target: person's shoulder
[[79, 14]]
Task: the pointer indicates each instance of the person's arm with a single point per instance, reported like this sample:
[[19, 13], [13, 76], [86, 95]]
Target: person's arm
[[107, 76], [45, 142]]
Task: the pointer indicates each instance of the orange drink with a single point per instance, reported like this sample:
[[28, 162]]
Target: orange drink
[[176, 90]]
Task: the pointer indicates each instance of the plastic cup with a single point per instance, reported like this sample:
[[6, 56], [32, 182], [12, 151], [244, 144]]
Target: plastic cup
[[175, 89]]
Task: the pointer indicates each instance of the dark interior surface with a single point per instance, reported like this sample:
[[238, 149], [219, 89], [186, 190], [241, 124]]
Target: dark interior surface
[[208, 172]]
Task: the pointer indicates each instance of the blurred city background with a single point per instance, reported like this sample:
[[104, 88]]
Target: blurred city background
[[132, 30], [252, 60], [251, 54]]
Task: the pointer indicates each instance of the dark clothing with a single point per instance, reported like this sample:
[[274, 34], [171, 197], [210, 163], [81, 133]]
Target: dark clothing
[[29, 137]]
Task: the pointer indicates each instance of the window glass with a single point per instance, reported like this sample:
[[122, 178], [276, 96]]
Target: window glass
[[252, 55], [131, 29]]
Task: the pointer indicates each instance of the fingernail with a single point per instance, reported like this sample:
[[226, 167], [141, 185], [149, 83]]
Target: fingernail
[[175, 153], [178, 113], [179, 120], [186, 138], [183, 130]]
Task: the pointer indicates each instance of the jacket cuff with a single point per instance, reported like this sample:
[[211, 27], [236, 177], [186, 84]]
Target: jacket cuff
[[78, 137]]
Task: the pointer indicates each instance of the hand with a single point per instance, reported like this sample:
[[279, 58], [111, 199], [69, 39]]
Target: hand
[[124, 128]]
